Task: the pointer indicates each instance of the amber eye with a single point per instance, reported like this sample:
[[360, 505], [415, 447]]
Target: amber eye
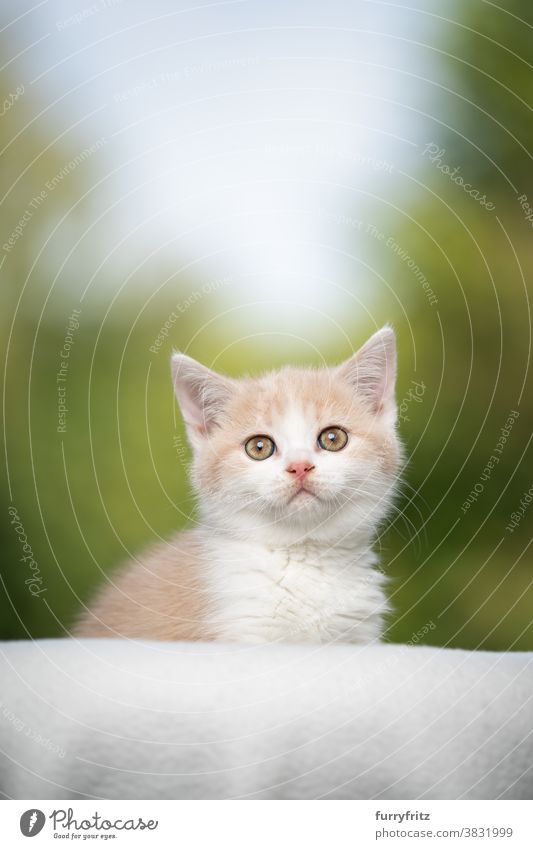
[[260, 447], [333, 438]]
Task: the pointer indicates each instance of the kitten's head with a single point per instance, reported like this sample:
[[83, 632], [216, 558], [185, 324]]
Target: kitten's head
[[295, 453]]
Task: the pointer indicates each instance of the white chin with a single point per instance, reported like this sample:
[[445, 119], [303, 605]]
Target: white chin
[[302, 500]]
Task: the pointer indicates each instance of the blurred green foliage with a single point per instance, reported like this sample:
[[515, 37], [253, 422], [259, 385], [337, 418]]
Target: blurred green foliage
[[473, 578], [116, 478]]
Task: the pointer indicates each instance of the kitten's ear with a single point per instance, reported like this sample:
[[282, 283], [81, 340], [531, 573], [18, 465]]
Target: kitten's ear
[[372, 372], [202, 395]]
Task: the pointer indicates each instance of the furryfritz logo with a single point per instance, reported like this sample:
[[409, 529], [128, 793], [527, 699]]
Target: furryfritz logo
[[32, 822]]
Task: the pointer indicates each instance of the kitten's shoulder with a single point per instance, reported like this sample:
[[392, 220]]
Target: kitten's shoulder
[[157, 595]]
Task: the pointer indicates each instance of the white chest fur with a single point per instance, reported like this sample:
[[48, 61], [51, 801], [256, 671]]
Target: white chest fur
[[299, 593]]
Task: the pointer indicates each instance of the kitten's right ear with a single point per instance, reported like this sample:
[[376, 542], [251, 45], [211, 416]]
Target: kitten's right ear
[[372, 372], [202, 395]]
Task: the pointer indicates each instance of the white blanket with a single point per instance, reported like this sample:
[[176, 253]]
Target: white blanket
[[126, 719]]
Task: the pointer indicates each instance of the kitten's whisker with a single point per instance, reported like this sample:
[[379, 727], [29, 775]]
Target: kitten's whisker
[[413, 533], [416, 492], [411, 502]]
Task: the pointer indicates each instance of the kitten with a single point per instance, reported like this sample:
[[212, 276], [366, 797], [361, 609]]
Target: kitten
[[294, 470]]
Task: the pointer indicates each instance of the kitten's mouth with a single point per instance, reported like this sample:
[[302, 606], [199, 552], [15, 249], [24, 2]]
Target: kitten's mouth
[[303, 492]]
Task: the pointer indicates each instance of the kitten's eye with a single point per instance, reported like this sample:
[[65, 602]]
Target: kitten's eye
[[333, 438], [260, 447]]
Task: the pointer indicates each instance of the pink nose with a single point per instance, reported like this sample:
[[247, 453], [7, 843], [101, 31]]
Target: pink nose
[[300, 469]]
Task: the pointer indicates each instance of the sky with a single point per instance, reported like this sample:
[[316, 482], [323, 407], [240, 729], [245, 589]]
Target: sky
[[246, 140]]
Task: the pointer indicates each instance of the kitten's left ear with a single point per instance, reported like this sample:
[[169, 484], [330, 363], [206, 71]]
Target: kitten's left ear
[[202, 395], [372, 372]]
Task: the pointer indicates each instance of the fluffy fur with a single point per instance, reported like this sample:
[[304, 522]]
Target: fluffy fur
[[273, 557]]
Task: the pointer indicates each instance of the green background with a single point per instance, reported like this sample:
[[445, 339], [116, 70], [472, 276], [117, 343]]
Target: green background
[[117, 478]]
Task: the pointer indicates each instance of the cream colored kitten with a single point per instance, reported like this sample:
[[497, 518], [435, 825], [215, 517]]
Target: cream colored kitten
[[294, 470]]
